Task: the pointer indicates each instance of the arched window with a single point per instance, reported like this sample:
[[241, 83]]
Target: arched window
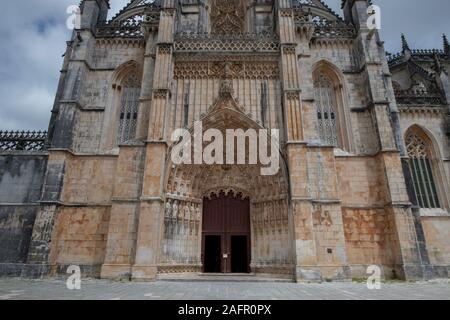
[[419, 151], [129, 107], [326, 108]]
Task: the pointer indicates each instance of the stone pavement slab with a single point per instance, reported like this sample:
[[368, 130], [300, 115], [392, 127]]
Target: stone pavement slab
[[56, 289]]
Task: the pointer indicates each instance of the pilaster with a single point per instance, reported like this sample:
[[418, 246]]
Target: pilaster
[[124, 220], [289, 73], [151, 211], [146, 97], [151, 214]]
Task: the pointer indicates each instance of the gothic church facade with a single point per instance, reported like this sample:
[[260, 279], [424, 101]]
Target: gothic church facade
[[364, 144]]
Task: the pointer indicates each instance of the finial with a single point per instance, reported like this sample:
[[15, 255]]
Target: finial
[[405, 45], [405, 48], [446, 44]]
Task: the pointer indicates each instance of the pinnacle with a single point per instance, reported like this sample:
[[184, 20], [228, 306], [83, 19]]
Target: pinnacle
[[405, 45], [446, 44]]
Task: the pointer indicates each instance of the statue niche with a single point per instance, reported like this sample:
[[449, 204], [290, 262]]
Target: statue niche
[[227, 16]]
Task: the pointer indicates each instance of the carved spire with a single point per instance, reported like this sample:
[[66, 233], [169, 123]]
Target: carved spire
[[405, 47], [446, 44]]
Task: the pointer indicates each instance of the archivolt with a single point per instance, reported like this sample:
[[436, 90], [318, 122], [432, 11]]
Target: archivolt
[[188, 185], [195, 181]]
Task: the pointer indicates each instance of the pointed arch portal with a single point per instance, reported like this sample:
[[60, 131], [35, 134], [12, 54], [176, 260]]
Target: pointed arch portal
[[227, 218]]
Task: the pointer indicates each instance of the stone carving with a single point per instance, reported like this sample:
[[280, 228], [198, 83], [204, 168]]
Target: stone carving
[[227, 16], [226, 88], [248, 42], [271, 232], [164, 49], [233, 70], [324, 22], [325, 218], [22, 140], [136, 19], [181, 232], [416, 147]]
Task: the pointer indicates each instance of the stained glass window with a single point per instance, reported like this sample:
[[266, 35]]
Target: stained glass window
[[129, 106], [326, 108], [422, 173]]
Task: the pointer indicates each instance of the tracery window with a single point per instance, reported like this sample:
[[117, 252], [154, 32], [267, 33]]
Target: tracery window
[[326, 108], [422, 172], [129, 106]]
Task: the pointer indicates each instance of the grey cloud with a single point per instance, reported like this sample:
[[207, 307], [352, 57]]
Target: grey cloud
[[423, 22], [33, 37]]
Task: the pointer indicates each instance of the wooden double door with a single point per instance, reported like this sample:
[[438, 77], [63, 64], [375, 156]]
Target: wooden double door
[[226, 234]]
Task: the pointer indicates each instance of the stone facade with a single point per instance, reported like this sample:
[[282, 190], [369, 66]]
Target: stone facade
[[106, 196]]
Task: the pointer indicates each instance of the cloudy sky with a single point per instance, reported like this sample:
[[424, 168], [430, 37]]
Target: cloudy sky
[[33, 38]]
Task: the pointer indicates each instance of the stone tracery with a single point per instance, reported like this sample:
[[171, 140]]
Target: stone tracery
[[188, 185]]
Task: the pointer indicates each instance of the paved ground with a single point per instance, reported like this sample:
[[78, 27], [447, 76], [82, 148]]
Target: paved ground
[[19, 289]]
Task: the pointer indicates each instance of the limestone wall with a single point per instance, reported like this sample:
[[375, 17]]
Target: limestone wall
[[329, 240], [437, 235], [80, 236], [21, 180], [368, 234], [368, 227], [96, 114], [89, 180], [361, 181], [82, 221]]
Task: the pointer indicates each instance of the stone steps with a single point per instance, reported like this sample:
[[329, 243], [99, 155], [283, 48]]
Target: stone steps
[[222, 277]]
